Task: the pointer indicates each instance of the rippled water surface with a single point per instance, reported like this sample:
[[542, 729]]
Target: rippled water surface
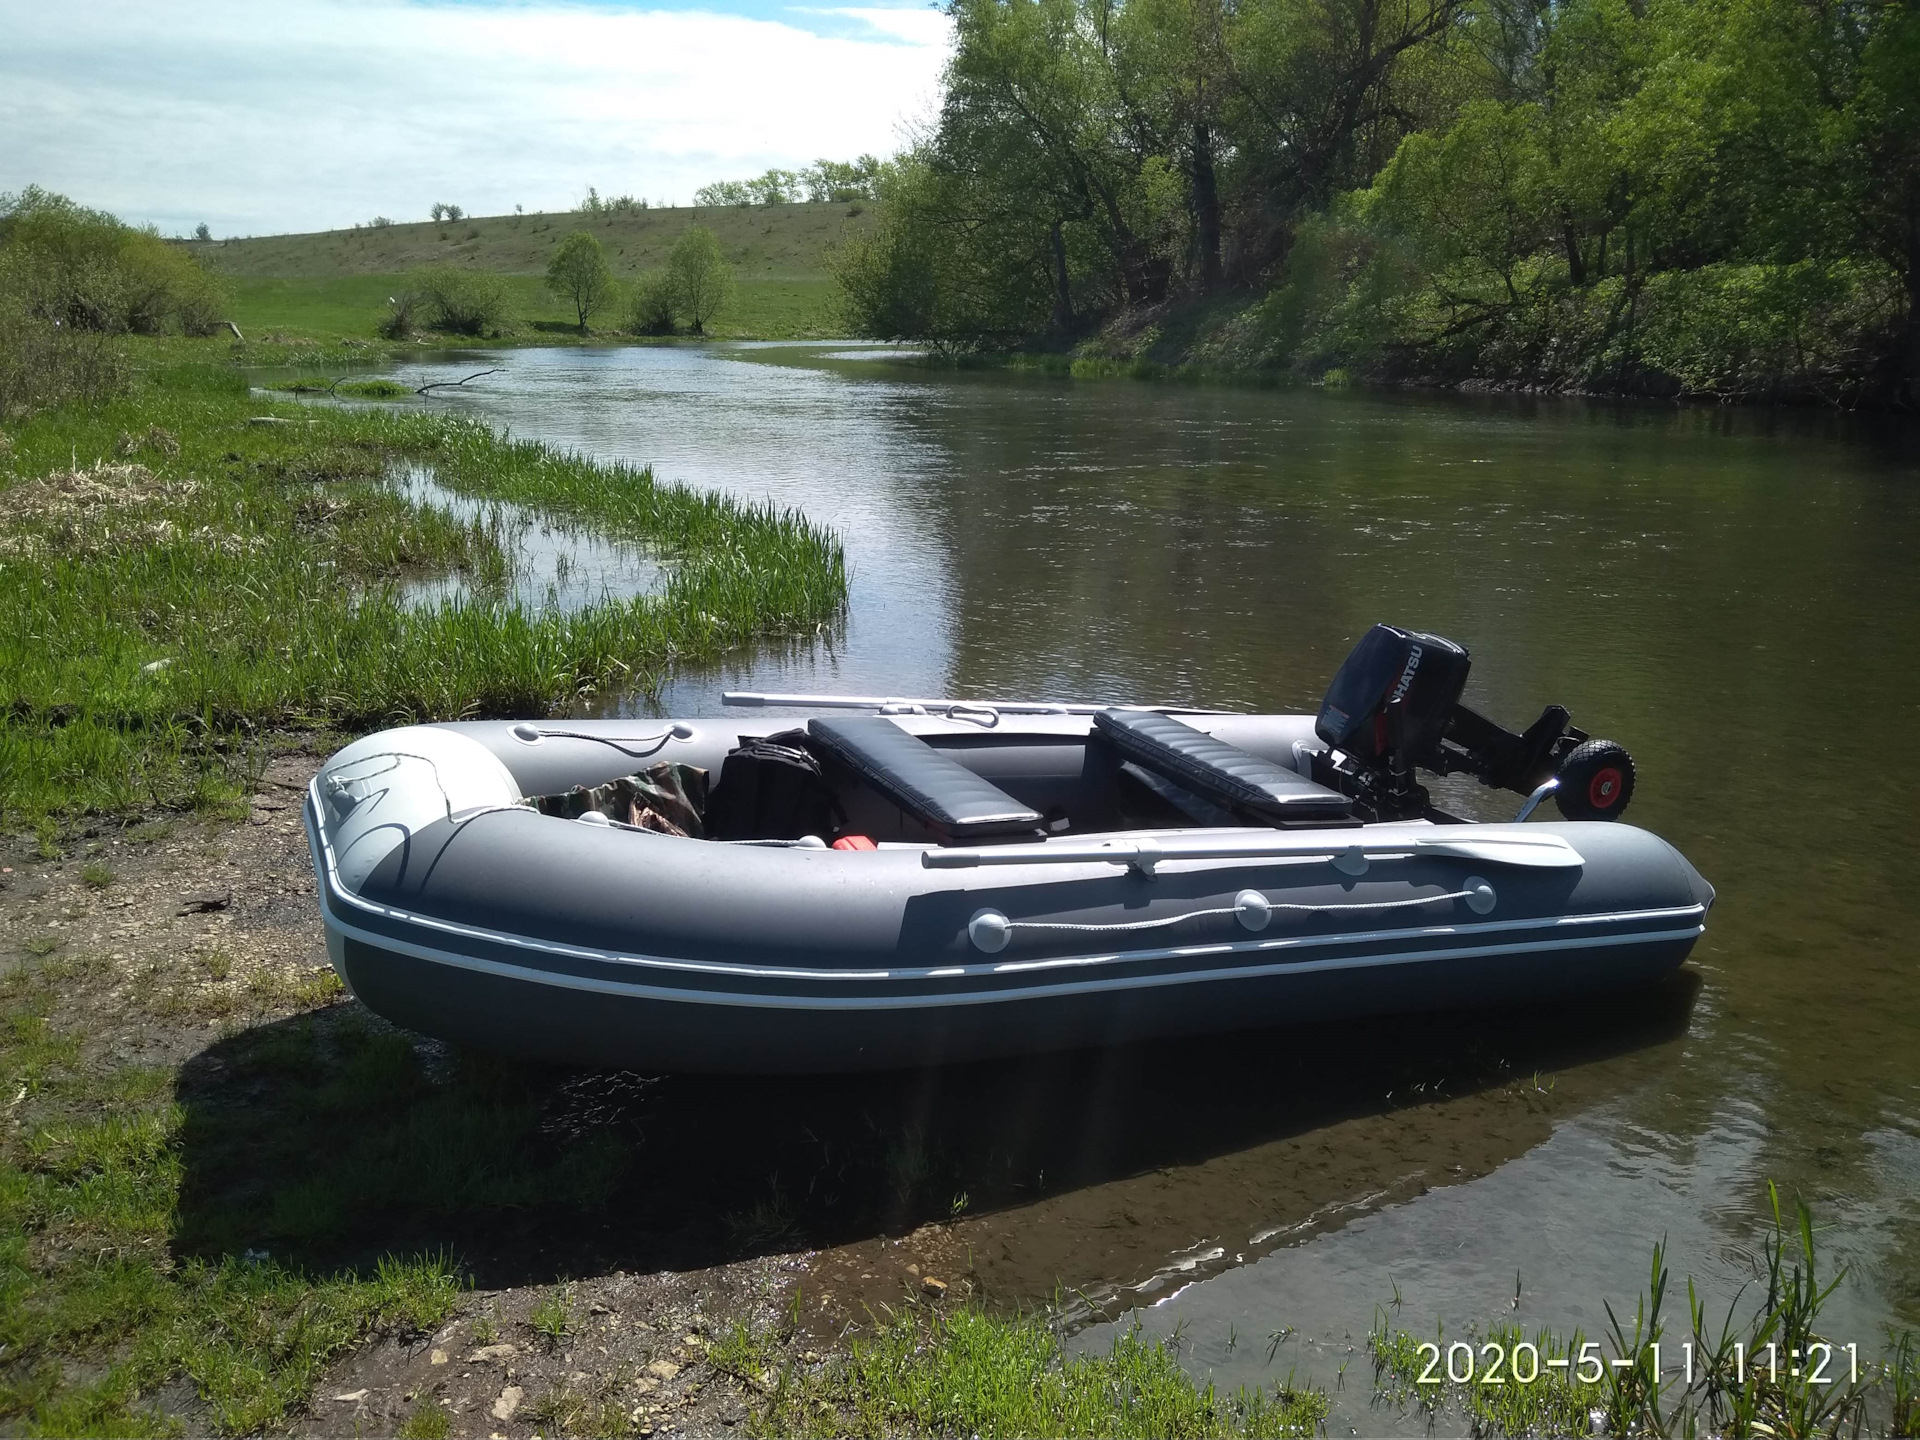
[[1730, 594]]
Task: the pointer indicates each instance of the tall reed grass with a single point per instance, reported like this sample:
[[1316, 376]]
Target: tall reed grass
[[164, 602], [1766, 1366]]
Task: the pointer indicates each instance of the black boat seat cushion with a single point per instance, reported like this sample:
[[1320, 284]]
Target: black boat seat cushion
[[935, 789], [1216, 770]]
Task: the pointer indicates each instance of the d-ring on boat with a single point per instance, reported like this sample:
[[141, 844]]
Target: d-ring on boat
[[942, 880]]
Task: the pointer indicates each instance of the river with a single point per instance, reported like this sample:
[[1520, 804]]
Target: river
[[1729, 593]]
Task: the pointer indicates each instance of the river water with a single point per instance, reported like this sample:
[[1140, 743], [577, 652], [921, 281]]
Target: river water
[[1731, 594]]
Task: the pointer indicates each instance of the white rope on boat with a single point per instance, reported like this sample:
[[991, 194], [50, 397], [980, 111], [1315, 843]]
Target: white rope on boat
[[527, 733], [1234, 910], [991, 931]]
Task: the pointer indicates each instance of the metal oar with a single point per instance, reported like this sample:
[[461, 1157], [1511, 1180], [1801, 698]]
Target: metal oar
[[1537, 850], [901, 705]]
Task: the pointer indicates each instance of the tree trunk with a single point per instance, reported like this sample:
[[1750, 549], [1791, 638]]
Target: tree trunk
[[1062, 293], [1913, 306], [1576, 263], [1206, 206]]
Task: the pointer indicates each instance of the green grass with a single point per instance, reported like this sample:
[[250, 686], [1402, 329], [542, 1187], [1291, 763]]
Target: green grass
[[97, 1307], [565, 1410], [425, 1421], [974, 1374], [772, 306], [552, 1316], [228, 1223], [343, 387], [757, 240], [373, 389], [335, 283], [163, 606]]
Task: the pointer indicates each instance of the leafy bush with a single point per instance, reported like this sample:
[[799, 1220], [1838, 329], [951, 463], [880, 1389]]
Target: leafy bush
[[85, 270], [404, 315], [460, 302], [1769, 331], [44, 365], [597, 204], [650, 306]]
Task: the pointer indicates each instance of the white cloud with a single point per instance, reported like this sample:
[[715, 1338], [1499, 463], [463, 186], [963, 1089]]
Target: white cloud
[[272, 117]]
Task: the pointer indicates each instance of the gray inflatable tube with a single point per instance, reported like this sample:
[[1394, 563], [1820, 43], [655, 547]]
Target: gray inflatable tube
[[454, 909]]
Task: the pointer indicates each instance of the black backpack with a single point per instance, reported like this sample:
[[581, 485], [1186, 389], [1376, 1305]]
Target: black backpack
[[772, 789]]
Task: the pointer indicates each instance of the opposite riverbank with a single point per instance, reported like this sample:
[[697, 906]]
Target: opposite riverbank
[[336, 283]]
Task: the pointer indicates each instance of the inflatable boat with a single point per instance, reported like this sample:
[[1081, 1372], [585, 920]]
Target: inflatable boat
[[881, 882]]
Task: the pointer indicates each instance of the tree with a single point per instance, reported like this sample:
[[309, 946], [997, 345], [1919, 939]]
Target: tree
[[651, 305], [1713, 196], [578, 274], [838, 181], [202, 231], [702, 278], [1881, 138], [724, 192]]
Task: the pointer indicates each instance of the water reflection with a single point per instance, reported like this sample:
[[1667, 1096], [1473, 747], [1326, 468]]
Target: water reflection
[[552, 565], [1726, 593]]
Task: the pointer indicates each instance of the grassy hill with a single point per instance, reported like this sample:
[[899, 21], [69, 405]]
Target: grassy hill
[[336, 282]]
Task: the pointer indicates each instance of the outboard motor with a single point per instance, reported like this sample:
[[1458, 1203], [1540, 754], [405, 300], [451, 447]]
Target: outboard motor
[[1395, 705]]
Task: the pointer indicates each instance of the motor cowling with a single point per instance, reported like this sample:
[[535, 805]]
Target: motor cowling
[[1394, 696]]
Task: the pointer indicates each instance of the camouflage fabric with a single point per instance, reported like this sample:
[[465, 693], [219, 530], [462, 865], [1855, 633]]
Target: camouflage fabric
[[669, 797]]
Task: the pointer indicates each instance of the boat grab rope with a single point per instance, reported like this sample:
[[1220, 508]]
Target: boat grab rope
[[1234, 910], [344, 798], [529, 734], [991, 931], [337, 787]]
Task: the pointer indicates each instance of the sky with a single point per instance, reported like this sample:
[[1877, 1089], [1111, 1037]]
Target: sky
[[268, 116]]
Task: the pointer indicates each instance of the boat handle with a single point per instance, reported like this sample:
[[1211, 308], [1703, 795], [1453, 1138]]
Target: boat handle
[[991, 931], [528, 733], [984, 716], [1540, 792]]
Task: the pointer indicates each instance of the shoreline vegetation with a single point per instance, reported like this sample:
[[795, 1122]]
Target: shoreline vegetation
[[189, 570], [190, 567], [1679, 198], [340, 285]]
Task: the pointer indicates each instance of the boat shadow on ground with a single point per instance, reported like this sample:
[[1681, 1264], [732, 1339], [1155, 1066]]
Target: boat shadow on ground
[[331, 1138]]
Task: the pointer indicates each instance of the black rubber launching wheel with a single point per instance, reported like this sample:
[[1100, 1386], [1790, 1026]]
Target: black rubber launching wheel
[[1596, 782]]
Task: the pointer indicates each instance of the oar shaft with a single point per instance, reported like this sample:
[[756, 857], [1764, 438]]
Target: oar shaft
[[1544, 851], [908, 705]]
